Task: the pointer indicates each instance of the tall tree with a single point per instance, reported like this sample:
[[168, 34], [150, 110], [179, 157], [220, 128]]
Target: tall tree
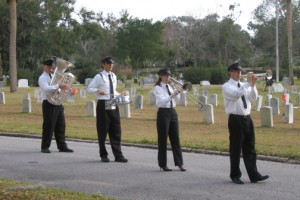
[[12, 45], [290, 40]]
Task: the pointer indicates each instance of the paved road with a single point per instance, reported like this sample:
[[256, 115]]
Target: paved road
[[140, 178]]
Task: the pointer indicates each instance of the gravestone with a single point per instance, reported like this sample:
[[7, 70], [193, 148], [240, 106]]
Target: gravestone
[[152, 97], [2, 98], [124, 110], [208, 114], [285, 81], [258, 102], [278, 87], [268, 99], [149, 81], [274, 103], [87, 81], [91, 108], [205, 93], [38, 95], [132, 92], [1, 84], [270, 89], [182, 99], [266, 116], [203, 100], [289, 113], [139, 104], [294, 89], [82, 93], [196, 91], [213, 99], [204, 83], [26, 103], [70, 97], [298, 99], [287, 98], [23, 83], [127, 85]]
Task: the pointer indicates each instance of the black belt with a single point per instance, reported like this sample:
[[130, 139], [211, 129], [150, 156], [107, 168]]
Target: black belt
[[240, 116]]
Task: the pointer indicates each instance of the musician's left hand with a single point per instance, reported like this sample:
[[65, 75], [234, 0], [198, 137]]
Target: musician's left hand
[[124, 93]]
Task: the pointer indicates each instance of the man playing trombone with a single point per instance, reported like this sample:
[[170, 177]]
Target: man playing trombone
[[108, 117], [237, 97]]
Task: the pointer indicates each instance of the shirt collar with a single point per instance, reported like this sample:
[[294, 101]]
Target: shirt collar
[[106, 73], [234, 81], [162, 84]]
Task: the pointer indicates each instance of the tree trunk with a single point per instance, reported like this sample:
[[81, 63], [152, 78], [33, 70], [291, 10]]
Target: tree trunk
[[290, 40], [12, 45]]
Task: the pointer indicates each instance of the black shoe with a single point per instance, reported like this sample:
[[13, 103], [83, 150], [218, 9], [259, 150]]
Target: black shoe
[[45, 151], [181, 168], [121, 159], [66, 150], [237, 181], [105, 159], [260, 178], [166, 169]]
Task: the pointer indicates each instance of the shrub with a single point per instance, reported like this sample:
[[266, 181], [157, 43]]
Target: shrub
[[215, 75]]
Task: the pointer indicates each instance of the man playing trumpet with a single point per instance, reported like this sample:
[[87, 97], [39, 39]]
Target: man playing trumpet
[[237, 102]]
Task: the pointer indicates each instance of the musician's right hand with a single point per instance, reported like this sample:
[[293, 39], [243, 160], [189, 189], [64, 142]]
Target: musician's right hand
[[100, 91], [175, 93], [63, 86]]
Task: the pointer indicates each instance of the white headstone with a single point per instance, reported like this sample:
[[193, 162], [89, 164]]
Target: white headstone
[[294, 89], [38, 95], [286, 81], [278, 87], [139, 101], [259, 102], [2, 98], [289, 113], [70, 97], [268, 99], [152, 97], [23, 83], [182, 99], [124, 110], [274, 103], [287, 98], [203, 100], [196, 91], [127, 85], [91, 108], [208, 114], [1, 84], [213, 99], [204, 83], [298, 99], [120, 82], [83, 93], [132, 92], [266, 116], [26, 103]]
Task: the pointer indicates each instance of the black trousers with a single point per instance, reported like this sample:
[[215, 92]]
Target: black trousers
[[53, 121], [167, 125], [108, 121], [242, 138]]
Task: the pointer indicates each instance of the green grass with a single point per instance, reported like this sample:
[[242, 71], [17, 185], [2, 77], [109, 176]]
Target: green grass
[[283, 140], [14, 190]]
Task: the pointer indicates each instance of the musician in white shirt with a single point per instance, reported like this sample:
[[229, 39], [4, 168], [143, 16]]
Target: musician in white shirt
[[167, 121], [237, 102]]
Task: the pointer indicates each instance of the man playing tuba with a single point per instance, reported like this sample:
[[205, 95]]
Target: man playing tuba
[[53, 115]]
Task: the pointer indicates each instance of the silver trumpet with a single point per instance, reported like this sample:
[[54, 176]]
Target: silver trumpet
[[261, 76], [185, 88]]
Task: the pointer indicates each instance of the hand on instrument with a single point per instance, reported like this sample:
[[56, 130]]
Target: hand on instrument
[[63, 86], [100, 91], [124, 93], [175, 93]]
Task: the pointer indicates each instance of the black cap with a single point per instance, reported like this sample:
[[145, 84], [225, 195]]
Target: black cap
[[108, 60], [164, 71], [48, 62], [234, 67]]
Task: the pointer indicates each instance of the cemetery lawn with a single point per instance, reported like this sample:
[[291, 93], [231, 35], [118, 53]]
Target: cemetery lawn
[[283, 140], [14, 190]]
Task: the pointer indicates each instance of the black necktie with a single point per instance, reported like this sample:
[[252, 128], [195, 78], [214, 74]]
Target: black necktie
[[111, 88], [50, 76], [243, 98], [169, 94]]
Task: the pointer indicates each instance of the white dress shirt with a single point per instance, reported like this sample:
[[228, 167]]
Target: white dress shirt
[[232, 97], [163, 99], [101, 81], [44, 83]]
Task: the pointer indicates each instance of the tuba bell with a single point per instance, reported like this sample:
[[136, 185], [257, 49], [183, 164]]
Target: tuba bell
[[59, 76]]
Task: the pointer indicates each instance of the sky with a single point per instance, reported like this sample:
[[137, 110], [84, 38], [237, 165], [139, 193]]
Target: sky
[[160, 9]]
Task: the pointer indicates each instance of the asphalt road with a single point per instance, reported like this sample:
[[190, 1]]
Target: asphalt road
[[207, 176]]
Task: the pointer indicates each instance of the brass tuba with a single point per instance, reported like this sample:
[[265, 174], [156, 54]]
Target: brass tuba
[[59, 76]]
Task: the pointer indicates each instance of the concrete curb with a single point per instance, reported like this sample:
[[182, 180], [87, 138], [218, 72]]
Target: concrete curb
[[151, 146]]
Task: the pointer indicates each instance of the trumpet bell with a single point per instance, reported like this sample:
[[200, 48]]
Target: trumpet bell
[[187, 86]]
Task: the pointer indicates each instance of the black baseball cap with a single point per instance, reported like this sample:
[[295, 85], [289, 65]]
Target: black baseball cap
[[164, 71], [48, 62], [234, 67], [107, 59]]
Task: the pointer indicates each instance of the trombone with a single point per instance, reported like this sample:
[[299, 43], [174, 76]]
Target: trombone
[[185, 88]]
